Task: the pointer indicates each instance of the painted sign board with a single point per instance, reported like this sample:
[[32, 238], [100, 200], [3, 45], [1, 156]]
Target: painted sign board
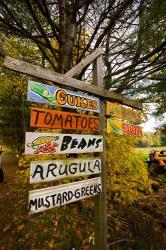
[[42, 171], [51, 143], [43, 93], [118, 127], [114, 109], [131, 130], [114, 126], [47, 118], [131, 115], [47, 198], [127, 114]]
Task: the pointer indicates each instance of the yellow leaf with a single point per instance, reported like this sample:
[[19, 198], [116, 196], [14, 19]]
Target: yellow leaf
[[19, 228], [51, 244], [6, 228], [152, 58]]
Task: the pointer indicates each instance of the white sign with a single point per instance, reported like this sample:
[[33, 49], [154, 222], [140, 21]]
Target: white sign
[[47, 198], [41, 171], [50, 143]]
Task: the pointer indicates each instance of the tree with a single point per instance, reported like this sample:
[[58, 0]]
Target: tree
[[161, 130], [62, 33], [13, 87], [147, 46], [156, 86], [152, 87]]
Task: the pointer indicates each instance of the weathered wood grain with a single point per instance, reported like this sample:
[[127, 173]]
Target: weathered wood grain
[[33, 70], [100, 212], [77, 68]]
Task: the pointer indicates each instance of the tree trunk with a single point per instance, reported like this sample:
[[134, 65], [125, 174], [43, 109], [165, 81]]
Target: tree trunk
[[68, 31]]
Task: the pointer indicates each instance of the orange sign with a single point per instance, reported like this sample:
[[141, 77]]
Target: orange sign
[[46, 118], [131, 130]]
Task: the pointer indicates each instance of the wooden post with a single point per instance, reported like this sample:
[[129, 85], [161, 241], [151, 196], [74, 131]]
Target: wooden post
[[100, 200]]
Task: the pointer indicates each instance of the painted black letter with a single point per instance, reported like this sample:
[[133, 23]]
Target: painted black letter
[[38, 170], [66, 140]]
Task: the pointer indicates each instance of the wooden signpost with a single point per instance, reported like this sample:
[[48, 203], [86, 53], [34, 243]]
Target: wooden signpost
[[46, 118], [48, 143], [47, 198], [66, 81], [43, 171]]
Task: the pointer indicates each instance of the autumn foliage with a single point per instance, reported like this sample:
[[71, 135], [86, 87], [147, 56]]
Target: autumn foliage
[[127, 173]]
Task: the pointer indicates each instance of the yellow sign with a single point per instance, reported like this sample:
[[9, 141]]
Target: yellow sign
[[114, 126], [127, 114], [114, 109], [131, 115]]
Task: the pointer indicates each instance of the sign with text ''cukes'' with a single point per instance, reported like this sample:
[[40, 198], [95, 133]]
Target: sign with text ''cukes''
[[42, 93]]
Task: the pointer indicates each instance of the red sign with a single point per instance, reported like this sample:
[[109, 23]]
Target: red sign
[[131, 130], [47, 118]]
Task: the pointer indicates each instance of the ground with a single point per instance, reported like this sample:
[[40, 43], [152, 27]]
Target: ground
[[18, 229], [12, 192]]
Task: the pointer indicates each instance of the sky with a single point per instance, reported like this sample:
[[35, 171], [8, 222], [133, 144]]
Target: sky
[[150, 125], [152, 122]]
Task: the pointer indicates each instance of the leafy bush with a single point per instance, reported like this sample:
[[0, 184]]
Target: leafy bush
[[127, 172]]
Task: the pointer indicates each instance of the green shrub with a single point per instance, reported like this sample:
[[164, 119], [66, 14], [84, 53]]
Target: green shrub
[[126, 170]]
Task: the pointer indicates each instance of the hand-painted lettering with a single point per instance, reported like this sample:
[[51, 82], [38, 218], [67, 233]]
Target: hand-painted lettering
[[73, 168], [97, 165], [51, 169], [60, 97], [55, 196], [64, 120], [51, 143], [57, 118], [57, 169], [98, 141], [47, 118], [71, 100], [47, 204], [68, 121], [74, 143], [38, 170], [82, 143], [37, 114], [66, 140], [42, 93]]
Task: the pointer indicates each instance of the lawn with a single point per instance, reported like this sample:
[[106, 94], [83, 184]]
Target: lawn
[[144, 152]]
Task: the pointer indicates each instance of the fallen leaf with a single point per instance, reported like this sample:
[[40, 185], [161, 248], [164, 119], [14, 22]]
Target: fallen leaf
[[51, 244], [6, 228], [19, 228]]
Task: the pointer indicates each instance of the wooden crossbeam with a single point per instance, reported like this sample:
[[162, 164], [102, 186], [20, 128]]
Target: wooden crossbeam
[[49, 75], [77, 68]]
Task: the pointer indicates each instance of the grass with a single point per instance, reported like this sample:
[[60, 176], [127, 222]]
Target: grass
[[144, 152]]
